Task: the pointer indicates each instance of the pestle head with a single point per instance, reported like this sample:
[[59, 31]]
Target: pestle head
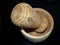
[[24, 16]]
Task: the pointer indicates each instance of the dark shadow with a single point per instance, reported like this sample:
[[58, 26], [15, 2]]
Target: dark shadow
[[29, 29]]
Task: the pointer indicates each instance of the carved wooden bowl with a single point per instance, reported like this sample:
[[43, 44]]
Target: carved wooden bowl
[[36, 23]]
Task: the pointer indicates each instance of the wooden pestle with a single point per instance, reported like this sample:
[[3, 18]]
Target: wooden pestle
[[24, 16]]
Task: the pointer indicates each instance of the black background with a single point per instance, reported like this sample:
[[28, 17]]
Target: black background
[[11, 35]]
